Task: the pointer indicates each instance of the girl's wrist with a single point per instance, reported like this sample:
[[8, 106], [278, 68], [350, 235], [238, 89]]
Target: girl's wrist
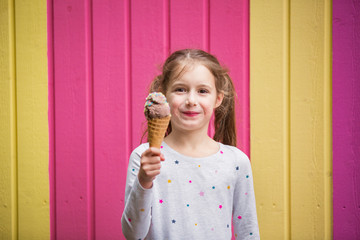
[[145, 184]]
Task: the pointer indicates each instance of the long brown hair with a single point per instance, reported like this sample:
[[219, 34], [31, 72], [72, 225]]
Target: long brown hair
[[178, 63]]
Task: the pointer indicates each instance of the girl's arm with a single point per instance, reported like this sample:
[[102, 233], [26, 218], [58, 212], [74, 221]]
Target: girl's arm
[[136, 217], [244, 210]]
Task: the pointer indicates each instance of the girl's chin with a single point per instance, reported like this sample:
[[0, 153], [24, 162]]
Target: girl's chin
[[189, 126]]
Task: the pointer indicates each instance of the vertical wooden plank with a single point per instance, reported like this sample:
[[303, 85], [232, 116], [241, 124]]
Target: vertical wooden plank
[[89, 106], [73, 119], [31, 74], [8, 127], [51, 118], [147, 53], [269, 115], [110, 24], [229, 41], [187, 20], [328, 136], [346, 119], [310, 120]]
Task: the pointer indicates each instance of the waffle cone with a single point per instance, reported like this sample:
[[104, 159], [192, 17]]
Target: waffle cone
[[156, 130]]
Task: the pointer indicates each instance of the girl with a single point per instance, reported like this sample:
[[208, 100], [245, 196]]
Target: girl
[[196, 187]]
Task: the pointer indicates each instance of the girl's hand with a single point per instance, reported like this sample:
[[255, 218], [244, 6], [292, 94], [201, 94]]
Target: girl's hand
[[150, 164]]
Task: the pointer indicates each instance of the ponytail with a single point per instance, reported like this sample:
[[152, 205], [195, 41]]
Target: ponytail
[[155, 84], [225, 126]]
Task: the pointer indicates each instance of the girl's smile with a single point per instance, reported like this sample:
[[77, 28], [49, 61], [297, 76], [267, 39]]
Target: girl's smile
[[190, 113]]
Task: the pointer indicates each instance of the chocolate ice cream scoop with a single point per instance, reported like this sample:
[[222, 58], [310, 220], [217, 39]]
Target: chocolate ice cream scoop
[[156, 106]]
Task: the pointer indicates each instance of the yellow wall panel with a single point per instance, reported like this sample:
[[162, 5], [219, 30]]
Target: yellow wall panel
[[290, 103], [269, 114], [8, 164], [32, 93], [310, 119], [24, 193]]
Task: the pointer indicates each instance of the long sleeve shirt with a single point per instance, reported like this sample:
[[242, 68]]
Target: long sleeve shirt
[[192, 198]]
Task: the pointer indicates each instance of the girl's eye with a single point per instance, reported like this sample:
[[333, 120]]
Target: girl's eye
[[203, 91], [180, 90]]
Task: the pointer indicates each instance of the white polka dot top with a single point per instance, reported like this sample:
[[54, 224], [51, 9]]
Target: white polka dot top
[[192, 198]]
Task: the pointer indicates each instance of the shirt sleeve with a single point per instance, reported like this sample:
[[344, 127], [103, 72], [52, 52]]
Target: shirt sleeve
[[244, 210], [136, 218]]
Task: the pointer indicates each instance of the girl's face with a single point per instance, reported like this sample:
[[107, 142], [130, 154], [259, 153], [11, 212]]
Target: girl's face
[[192, 99]]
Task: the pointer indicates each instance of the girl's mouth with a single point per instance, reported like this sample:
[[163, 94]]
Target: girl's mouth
[[190, 113]]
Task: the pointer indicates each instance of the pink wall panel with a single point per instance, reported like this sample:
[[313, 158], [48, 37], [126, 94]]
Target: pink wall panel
[[346, 119], [51, 118], [73, 114], [229, 41], [111, 88], [103, 54]]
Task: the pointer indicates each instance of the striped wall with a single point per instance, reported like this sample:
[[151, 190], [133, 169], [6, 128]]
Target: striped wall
[[24, 183], [69, 120]]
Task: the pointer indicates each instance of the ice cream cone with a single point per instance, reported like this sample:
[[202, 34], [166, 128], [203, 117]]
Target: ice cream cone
[[156, 130]]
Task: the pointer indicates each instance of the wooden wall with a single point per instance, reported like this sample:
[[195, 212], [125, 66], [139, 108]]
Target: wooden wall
[[24, 183], [69, 120], [290, 112]]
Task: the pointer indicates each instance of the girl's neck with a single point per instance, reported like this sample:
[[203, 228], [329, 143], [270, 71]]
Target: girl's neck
[[192, 144]]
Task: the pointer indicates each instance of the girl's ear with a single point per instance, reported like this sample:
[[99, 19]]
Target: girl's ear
[[219, 99]]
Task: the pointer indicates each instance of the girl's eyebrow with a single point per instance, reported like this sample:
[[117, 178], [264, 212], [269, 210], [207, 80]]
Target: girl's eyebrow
[[205, 85], [180, 83]]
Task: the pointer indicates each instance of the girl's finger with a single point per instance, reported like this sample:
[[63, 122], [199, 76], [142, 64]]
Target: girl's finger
[[151, 160], [151, 167], [154, 151], [154, 173]]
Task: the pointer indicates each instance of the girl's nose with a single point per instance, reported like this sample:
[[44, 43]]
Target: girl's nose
[[191, 100]]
